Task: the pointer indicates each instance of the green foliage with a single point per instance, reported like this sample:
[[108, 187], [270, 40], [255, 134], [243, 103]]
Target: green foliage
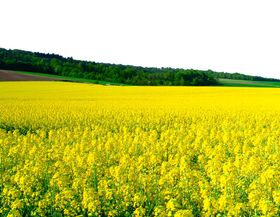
[[125, 74], [238, 76], [133, 75]]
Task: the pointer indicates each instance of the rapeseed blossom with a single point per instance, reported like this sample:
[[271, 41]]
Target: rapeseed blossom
[[71, 149]]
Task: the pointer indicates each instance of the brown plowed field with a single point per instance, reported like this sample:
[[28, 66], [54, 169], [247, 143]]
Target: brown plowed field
[[7, 75]]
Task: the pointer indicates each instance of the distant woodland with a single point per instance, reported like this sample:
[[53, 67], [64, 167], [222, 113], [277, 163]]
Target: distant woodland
[[134, 75]]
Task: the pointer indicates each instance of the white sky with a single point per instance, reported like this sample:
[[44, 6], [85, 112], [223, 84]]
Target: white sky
[[223, 35]]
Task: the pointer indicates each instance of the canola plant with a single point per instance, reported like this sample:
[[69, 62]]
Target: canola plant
[[70, 149]]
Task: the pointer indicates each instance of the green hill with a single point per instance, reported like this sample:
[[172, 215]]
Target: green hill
[[247, 83], [89, 71]]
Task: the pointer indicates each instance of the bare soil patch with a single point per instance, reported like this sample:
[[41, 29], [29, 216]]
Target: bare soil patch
[[7, 75]]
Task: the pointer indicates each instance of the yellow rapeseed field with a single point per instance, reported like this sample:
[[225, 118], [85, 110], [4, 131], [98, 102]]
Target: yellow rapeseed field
[[70, 149]]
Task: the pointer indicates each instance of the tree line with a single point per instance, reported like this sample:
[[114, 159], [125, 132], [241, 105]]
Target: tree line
[[239, 76], [134, 75]]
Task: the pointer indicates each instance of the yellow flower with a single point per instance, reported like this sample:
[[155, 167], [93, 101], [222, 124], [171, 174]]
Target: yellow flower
[[183, 213], [74, 149]]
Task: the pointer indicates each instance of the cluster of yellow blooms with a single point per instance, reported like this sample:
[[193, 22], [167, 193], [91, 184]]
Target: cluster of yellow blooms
[[70, 149]]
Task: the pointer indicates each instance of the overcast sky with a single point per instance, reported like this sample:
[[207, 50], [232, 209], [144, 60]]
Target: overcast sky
[[222, 35]]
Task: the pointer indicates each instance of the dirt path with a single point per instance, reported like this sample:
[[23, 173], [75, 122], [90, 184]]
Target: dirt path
[[7, 75]]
